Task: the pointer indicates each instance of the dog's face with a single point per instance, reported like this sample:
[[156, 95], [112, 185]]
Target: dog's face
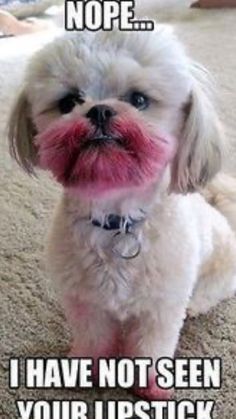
[[109, 111]]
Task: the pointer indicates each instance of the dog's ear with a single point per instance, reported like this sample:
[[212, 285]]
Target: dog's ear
[[200, 148], [21, 132]]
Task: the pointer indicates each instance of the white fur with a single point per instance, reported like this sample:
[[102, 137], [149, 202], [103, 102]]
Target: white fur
[[187, 261]]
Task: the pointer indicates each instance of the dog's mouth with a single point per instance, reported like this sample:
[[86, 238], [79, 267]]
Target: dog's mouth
[[102, 140], [94, 147]]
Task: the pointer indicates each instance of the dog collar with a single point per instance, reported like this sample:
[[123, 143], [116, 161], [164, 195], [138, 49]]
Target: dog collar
[[115, 222], [125, 242]]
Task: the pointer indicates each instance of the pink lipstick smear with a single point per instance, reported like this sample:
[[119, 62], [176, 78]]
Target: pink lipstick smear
[[137, 158]]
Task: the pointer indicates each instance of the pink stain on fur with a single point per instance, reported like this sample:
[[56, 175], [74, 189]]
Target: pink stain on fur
[[87, 342], [136, 158], [81, 317]]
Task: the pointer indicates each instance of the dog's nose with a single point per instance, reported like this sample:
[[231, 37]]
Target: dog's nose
[[99, 115]]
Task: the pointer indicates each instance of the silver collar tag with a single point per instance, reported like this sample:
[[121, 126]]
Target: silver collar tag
[[124, 241], [125, 245]]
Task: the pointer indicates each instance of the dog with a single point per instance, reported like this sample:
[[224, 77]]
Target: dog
[[126, 124]]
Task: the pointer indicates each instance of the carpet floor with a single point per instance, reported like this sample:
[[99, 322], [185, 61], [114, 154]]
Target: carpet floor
[[31, 323]]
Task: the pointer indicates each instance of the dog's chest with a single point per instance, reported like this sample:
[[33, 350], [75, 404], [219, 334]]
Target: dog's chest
[[108, 278], [109, 273]]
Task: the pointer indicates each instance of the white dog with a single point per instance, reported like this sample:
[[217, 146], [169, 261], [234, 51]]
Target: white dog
[[125, 124]]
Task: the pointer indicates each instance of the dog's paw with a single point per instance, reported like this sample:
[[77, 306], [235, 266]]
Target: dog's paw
[[153, 392]]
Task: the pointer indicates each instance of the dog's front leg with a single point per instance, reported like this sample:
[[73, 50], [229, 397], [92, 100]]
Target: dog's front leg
[[95, 333], [154, 334]]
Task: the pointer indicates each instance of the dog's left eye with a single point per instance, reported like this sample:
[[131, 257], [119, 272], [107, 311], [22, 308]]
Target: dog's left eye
[[68, 102], [139, 100]]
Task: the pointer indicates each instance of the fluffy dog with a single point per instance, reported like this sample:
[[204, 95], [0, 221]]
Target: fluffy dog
[[125, 124]]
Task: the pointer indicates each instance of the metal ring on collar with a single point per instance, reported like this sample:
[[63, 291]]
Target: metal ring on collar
[[117, 240]]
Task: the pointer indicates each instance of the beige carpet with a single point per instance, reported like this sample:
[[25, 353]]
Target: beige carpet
[[31, 323]]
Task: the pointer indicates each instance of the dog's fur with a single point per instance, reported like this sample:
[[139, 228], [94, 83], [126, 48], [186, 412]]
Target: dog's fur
[[187, 261]]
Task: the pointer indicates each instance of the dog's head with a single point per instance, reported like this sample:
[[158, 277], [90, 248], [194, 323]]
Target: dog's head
[[110, 111]]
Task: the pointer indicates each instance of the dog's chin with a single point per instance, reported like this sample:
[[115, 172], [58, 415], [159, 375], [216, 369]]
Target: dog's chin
[[94, 165]]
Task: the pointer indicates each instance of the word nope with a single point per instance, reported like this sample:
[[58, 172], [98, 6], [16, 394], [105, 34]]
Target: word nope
[[103, 14]]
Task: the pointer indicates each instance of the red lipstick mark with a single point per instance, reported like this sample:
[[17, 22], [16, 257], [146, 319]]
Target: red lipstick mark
[[136, 157]]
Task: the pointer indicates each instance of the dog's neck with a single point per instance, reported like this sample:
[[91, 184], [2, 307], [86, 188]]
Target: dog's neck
[[129, 204], [114, 225]]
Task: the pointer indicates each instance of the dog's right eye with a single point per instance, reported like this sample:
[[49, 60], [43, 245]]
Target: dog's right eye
[[68, 102]]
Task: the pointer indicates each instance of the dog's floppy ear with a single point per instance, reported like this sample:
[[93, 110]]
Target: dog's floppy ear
[[21, 133], [199, 153]]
